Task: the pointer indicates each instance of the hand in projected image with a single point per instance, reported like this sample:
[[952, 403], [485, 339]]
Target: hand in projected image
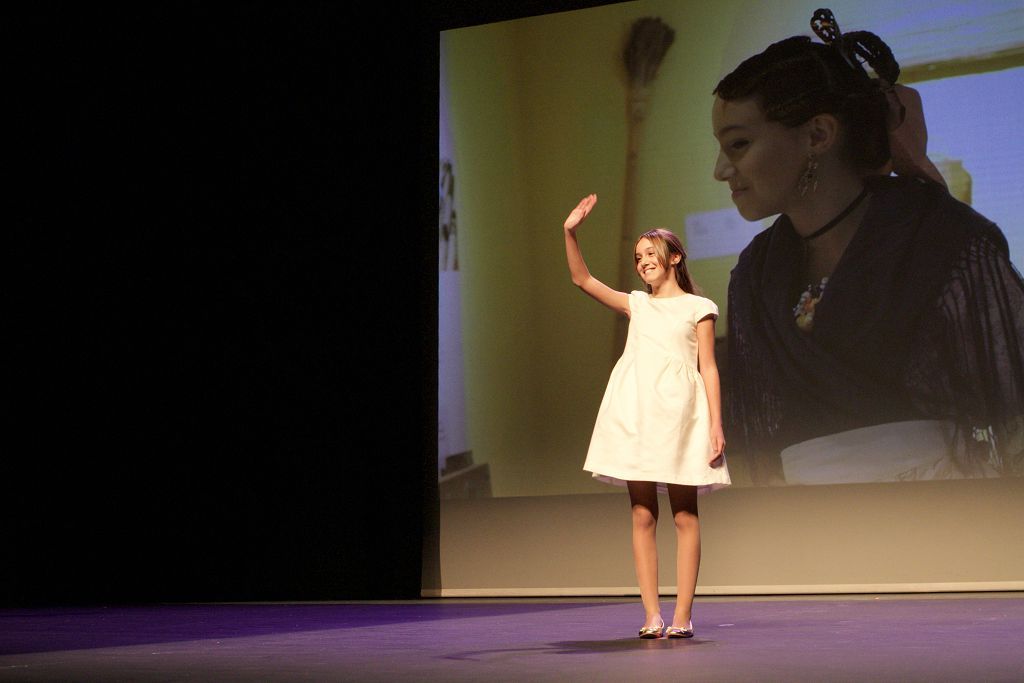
[[579, 214]]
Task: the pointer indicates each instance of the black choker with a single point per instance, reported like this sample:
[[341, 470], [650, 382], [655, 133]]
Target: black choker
[[835, 221]]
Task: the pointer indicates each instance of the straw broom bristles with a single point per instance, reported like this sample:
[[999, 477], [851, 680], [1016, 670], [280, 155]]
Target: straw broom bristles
[[649, 40]]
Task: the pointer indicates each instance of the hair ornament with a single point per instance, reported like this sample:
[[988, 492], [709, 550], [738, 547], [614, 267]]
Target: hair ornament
[[908, 134], [857, 48], [825, 26]]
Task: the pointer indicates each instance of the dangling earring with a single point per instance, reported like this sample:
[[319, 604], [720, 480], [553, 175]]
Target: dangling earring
[[809, 180]]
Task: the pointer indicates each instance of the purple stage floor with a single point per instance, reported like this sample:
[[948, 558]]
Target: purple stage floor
[[852, 638]]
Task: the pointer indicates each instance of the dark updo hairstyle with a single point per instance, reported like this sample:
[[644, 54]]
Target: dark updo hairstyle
[[796, 79]]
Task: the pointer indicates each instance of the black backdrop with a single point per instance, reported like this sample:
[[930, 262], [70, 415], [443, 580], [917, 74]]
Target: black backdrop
[[222, 310]]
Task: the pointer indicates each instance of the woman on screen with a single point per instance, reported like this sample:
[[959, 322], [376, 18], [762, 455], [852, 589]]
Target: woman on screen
[[875, 329], [659, 426]]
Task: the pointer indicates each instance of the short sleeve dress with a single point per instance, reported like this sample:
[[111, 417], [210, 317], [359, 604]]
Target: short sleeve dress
[[654, 422]]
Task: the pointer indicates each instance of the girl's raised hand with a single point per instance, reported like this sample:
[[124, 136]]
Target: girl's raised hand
[[579, 214]]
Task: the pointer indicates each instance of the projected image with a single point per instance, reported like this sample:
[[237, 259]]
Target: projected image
[[881, 344], [854, 214]]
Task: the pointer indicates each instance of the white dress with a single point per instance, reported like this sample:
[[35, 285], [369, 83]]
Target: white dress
[[654, 423]]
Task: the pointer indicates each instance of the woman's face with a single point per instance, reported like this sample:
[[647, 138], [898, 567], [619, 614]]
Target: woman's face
[[761, 160]]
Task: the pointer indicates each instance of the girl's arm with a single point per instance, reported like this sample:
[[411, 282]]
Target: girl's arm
[[708, 368], [581, 277]]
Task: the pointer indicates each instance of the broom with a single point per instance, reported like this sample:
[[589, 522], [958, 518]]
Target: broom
[[649, 40]]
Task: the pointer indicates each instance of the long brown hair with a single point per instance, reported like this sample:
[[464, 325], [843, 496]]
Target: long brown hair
[[665, 244]]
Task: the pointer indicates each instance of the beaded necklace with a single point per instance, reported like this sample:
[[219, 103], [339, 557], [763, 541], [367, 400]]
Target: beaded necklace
[[804, 310], [809, 298]]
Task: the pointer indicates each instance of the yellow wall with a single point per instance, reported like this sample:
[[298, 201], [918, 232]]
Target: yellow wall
[[495, 248]]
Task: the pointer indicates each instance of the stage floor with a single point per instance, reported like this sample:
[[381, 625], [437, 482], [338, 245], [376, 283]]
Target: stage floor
[[931, 637]]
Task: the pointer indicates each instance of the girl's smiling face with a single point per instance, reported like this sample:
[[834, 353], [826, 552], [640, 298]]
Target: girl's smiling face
[[649, 264], [761, 160]]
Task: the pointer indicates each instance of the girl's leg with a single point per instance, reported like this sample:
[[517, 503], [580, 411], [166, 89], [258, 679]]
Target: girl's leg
[[683, 500], [643, 497]]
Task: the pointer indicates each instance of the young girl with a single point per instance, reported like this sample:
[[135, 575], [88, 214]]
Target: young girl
[[659, 427]]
